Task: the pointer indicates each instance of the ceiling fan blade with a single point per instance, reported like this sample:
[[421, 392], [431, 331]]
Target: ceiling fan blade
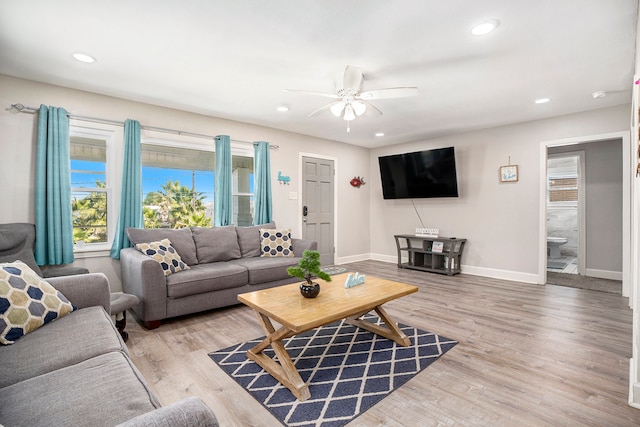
[[352, 78], [392, 92], [306, 92], [372, 106], [326, 107]]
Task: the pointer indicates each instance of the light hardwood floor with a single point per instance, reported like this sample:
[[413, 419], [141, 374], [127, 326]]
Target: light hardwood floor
[[527, 355]]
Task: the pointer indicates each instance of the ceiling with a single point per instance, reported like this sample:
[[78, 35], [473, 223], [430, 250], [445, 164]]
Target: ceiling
[[232, 59]]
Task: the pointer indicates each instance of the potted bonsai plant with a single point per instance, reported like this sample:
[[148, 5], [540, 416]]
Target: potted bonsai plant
[[307, 269]]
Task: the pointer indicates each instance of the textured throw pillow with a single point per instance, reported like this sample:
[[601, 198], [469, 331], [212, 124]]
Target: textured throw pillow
[[165, 254], [250, 239], [276, 242], [215, 244], [181, 240], [27, 302]]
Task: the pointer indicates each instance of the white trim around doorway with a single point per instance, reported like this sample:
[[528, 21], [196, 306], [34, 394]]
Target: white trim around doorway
[[335, 196], [627, 150]]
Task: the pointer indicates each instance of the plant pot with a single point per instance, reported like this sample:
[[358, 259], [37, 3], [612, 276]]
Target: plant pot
[[309, 291]]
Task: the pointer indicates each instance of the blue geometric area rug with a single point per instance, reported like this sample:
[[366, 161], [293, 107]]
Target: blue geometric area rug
[[347, 369]]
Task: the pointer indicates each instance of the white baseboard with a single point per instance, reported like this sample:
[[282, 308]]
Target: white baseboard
[[352, 258], [515, 276], [386, 258], [603, 274], [634, 387]]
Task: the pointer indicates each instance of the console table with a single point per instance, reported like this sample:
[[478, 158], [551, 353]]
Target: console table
[[433, 254]]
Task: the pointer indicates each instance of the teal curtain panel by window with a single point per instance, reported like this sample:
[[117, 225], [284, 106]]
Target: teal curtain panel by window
[[223, 181], [262, 207], [54, 226], [131, 195]]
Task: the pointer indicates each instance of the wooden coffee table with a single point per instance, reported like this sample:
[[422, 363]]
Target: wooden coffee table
[[296, 314]]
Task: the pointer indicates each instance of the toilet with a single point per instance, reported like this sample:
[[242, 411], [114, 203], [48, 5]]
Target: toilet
[[553, 245]]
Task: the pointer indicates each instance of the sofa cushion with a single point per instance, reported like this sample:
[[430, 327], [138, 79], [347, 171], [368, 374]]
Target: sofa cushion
[[102, 391], [27, 302], [215, 244], [203, 278], [181, 240], [276, 243], [81, 335], [249, 239], [165, 254], [266, 269]]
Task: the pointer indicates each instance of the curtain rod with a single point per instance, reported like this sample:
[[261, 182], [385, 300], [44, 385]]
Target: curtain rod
[[19, 108]]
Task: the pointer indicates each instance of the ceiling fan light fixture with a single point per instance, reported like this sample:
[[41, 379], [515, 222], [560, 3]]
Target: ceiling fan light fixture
[[348, 113], [485, 27], [336, 109], [359, 107]]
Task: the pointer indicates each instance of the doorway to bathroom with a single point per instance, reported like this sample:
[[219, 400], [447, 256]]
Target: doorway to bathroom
[[597, 181], [565, 212]]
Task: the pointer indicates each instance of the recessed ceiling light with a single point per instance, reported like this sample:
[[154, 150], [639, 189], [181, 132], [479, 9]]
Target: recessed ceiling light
[[542, 100], [282, 108], [485, 28], [599, 94], [379, 133], [83, 57]]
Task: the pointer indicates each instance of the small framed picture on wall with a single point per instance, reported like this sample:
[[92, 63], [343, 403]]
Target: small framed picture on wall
[[509, 173]]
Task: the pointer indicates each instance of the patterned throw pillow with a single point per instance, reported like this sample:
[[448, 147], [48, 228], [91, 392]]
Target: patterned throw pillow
[[166, 255], [27, 302], [276, 242]]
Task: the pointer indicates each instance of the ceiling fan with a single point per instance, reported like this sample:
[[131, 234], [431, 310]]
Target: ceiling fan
[[352, 103]]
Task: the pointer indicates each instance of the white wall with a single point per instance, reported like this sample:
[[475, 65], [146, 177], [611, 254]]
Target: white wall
[[17, 159], [500, 220]]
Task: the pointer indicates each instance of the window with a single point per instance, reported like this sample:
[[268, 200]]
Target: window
[[92, 205], [563, 189], [177, 186], [243, 191], [178, 182], [89, 190]]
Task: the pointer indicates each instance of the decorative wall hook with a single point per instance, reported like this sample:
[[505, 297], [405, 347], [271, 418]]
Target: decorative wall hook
[[357, 182], [284, 180]]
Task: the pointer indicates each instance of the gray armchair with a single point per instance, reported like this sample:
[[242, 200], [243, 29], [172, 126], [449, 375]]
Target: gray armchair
[[17, 242]]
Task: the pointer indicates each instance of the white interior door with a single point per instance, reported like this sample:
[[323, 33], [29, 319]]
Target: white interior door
[[317, 205]]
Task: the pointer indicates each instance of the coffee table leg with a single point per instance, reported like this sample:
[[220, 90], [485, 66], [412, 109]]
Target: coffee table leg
[[285, 371], [392, 330]]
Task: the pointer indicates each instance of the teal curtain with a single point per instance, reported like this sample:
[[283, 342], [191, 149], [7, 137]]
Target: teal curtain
[[262, 170], [131, 196], [54, 226], [223, 182]]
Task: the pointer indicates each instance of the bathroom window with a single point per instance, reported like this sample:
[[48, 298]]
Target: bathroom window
[[563, 190]]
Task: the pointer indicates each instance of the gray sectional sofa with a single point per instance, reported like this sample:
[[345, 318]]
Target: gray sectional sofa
[[223, 262], [76, 371]]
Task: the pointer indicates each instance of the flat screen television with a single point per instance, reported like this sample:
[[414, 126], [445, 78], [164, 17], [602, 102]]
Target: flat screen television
[[422, 174]]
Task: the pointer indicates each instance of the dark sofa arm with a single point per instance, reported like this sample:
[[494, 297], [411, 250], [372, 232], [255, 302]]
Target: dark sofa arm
[[301, 245], [189, 412], [84, 290]]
